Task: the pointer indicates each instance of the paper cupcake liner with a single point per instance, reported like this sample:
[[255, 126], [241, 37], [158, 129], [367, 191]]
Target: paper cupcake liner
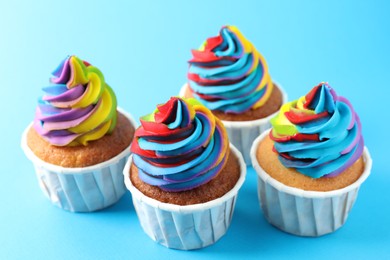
[[185, 227], [243, 133], [82, 189], [305, 213]]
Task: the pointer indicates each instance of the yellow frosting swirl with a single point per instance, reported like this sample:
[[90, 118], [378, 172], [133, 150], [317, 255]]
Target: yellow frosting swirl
[[79, 107]]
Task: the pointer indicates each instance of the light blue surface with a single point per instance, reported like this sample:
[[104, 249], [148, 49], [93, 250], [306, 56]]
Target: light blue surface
[[142, 48]]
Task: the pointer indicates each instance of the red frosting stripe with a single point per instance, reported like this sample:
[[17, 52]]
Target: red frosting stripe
[[300, 118]]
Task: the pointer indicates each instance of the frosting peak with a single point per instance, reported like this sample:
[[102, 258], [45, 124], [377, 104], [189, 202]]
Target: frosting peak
[[319, 134], [227, 73], [180, 146], [78, 107]]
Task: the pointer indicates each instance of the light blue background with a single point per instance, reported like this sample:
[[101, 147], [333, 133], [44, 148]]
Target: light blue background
[[142, 48]]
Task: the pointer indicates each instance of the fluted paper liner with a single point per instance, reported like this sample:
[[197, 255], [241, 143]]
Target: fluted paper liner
[[83, 189], [305, 213], [185, 227], [243, 133]]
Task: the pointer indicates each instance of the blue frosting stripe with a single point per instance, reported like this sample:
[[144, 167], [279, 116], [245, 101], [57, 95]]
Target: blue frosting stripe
[[212, 64], [57, 71], [340, 142], [196, 143], [47, 109], [232, 46], [147, 145], [200, 141], [156, 170], [234, 105], [152, 180], [178, 119], [341, 126], [172, 160], [216, 143], [318, 128], [55, 89], [241, 88], [197, 181], [186, 120], [333, 166], [237, 70], [302, 147]]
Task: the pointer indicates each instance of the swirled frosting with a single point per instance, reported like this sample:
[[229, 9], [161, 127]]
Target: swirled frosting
[[319, 134], [180, 146], [77, 107], [228, 74]]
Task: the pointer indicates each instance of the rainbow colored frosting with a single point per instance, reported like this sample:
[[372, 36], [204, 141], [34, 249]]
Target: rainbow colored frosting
[[228, 74], [78, 107], [319, 134], [180, 146]]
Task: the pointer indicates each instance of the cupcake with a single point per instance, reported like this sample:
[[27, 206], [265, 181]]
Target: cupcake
[[230, 77], [79, 142], [311, 164], [183, 175]]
